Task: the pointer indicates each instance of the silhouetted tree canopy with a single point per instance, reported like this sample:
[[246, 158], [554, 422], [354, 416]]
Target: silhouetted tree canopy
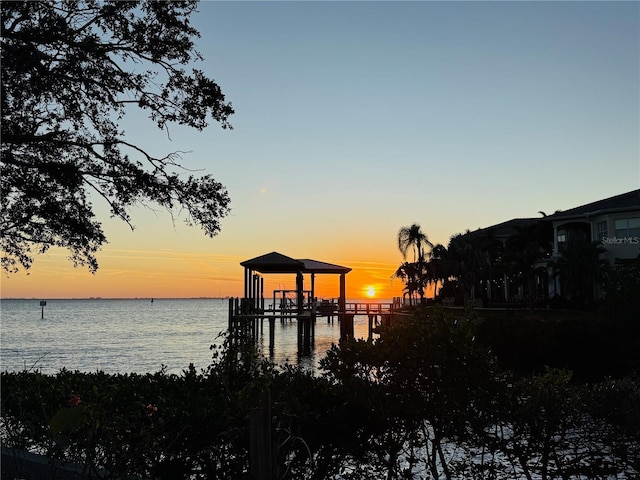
[[70, 72]]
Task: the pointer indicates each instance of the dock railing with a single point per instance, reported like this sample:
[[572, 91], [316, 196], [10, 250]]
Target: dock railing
[[368, 308]]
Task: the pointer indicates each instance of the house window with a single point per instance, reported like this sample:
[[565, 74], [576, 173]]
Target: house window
[[627, 227], [562, 236], [602, 230]]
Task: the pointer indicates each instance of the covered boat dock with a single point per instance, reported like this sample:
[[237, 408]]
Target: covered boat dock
[[249, 312]]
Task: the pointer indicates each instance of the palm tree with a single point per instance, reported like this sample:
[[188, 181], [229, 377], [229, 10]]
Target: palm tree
[[409, 274], [580, 268], [439, 267], [523, 249], [414, 238], [466, 262]]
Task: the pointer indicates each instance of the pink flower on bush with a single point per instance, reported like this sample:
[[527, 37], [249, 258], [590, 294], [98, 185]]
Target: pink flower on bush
[[150, 409], [74, 401]]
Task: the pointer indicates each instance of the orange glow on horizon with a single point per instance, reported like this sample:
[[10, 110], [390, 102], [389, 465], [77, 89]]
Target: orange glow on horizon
[[172, 273]]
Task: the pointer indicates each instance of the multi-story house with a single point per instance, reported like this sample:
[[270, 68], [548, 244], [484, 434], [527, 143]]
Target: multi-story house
[[529, 253], [614, 222]]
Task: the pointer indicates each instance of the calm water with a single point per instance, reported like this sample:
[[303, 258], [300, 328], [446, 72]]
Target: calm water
[[123, 336]]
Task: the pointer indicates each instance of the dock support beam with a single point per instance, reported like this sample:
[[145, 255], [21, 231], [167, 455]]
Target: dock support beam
[[272, 334], [304, 319], [342, 301], [345, 319]]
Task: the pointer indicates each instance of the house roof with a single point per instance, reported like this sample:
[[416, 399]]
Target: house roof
[[619, 203], [275, 262], [508, 228], [629, 201]]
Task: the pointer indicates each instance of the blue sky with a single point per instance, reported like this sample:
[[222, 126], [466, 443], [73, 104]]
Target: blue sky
[[455, 114], [354, 119]]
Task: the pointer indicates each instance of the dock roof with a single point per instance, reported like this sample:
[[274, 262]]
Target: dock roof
[[315, 266], [275, 262]]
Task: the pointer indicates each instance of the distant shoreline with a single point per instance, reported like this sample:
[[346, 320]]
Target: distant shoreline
[[114, 298], [37, 299]]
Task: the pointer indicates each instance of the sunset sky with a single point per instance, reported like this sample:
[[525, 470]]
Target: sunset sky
[[354, 119]]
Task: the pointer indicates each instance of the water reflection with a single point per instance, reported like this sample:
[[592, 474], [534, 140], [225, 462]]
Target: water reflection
[[326, 334]]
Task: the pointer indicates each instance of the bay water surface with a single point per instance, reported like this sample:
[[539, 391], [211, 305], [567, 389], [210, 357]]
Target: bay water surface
[[136, 335]]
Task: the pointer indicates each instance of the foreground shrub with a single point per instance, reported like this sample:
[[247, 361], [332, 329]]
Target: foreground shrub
[[424, 400]]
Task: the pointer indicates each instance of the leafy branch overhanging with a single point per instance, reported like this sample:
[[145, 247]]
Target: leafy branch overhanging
[[71, 71]]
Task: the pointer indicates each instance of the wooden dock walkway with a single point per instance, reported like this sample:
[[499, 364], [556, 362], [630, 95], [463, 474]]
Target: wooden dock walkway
[[248, 323]]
